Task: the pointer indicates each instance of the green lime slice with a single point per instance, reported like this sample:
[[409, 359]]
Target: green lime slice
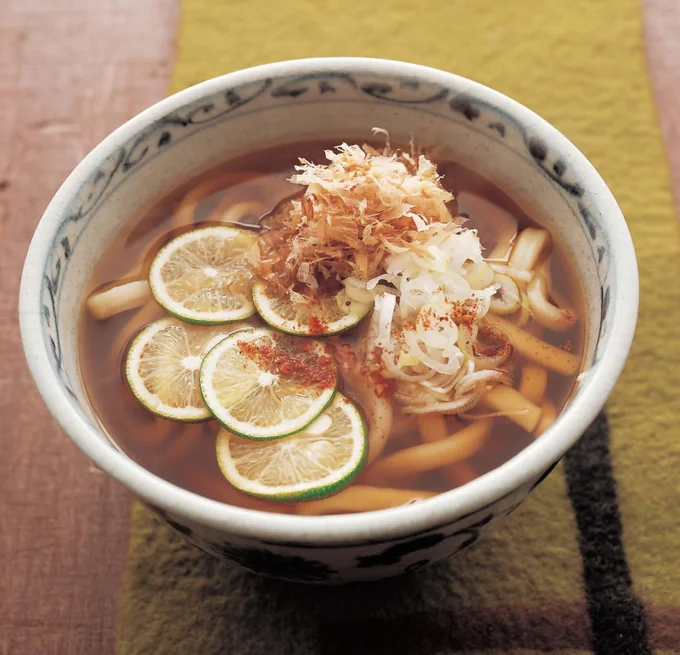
[[320, 318], [314, 463], [162, 368], [262, 384], [204, 277]]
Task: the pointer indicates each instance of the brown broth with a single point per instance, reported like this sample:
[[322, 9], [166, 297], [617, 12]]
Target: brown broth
[[184, 454]]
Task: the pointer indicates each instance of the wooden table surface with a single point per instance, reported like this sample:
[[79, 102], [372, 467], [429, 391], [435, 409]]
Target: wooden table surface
[[70, 72]]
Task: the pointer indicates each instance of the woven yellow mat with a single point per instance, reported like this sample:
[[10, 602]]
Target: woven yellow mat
[[591, 562]]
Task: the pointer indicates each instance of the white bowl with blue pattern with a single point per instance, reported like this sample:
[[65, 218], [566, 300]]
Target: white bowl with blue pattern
[[295, 101]]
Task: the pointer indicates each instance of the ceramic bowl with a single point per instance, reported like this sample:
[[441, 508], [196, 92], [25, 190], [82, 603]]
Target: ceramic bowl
[[342, 99]]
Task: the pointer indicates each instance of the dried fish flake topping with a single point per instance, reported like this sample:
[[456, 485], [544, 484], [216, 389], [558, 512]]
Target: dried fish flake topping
[[361, 206]]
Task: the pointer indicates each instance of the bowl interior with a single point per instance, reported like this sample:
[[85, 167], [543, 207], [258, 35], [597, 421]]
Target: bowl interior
[[301, 101]]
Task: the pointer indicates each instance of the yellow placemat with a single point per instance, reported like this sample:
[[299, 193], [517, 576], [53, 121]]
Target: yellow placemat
[[591, 562]]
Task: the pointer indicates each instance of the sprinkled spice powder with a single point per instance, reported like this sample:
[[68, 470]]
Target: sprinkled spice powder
[[293, 359], [316, 325], [465, 311]]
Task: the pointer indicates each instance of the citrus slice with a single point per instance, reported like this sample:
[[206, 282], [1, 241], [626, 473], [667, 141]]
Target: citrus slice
[[320, 317], [203, 276], [264, 385], [317, 462], [162, 368]]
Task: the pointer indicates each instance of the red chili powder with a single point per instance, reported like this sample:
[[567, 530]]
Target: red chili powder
[[293, 359], [464, 311], [317, 325], [383, 386], [408, 325]]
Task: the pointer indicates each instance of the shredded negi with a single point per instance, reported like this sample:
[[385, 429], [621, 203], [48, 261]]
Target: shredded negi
[[425, 327]]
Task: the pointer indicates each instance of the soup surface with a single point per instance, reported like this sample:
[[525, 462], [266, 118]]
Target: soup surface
[[426, 452]]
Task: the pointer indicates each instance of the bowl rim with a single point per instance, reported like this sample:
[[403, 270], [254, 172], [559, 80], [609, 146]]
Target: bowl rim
[[446, 508]]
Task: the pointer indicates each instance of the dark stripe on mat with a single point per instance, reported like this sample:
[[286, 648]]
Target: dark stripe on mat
[[617, 617], [460, 629]]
